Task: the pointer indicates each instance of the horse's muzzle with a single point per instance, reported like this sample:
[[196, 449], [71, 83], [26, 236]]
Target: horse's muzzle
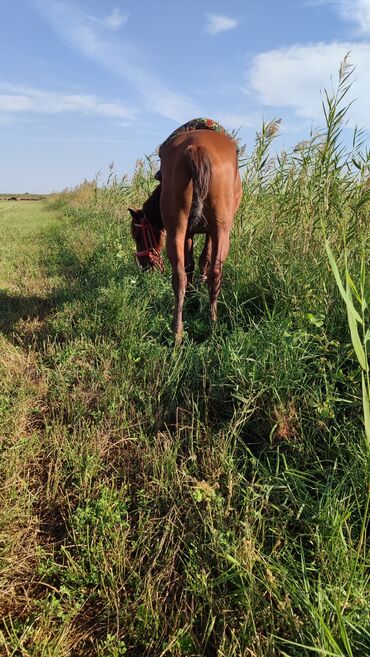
[[151, 259]]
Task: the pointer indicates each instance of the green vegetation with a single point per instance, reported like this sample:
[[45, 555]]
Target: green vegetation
[[210, 499], [24, 290]]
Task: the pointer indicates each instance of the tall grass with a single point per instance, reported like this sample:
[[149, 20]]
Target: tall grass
[[213, 499]]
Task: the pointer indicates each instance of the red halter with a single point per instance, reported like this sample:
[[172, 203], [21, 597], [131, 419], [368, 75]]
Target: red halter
[[151, 243]]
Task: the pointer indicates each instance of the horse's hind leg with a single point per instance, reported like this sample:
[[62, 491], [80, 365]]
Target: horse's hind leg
[[189, 261], [175, 251], [205, 259], [220, 249]]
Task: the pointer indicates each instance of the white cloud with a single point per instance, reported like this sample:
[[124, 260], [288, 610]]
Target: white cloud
[[76, 140], [114, 21], [293, 78], [116, 56], [234, 121], [351, 11], [14, 103], [216, 23], [357, 12], [29, 100]]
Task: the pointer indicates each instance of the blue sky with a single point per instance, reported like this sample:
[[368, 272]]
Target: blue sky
[[87, 82]]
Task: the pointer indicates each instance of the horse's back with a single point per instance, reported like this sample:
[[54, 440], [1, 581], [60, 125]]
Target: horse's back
[[220, 147], [220, 151]]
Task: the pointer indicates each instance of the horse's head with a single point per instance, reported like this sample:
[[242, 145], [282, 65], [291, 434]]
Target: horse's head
[[148, 240], [137, 234]]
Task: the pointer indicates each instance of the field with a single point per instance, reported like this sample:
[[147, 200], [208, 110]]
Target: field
[[21, 197], [208, 499]]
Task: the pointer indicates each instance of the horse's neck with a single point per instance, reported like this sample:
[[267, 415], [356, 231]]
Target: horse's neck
[[156, 221], [152, 209]]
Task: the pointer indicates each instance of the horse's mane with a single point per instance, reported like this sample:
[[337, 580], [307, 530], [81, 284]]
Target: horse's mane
[[152, 210]]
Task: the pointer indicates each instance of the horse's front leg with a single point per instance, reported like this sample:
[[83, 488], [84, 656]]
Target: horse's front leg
[[175, 251]]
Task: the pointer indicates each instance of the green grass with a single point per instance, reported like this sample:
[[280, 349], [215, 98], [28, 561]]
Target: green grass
[[22, 197], [24, 289], [206, 500], [20, 225]]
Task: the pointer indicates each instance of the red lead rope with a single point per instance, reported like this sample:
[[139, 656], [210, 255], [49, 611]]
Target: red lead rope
[[151, 245]]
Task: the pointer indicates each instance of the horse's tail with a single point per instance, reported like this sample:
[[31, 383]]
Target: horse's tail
[[201, 171]]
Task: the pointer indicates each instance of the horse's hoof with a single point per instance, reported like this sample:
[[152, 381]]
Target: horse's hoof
[[178, 339]]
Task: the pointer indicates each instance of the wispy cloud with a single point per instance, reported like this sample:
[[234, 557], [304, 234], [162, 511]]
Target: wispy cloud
[[15, 99], [76, 140], [235, 121], [357, 12], [293, 78], [216, 23], [95, 41], [351, 11], [115, 19]]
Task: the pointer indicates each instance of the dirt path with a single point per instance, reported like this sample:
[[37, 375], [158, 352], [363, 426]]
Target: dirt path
[[25, 286]]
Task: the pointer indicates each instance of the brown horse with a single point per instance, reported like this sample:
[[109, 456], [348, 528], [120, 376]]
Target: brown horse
[[200, 192]]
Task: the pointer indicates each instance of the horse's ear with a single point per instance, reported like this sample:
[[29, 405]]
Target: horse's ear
[[135, 214]]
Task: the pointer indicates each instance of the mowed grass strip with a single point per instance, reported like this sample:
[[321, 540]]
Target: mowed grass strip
[[24, 294], [24, 286]]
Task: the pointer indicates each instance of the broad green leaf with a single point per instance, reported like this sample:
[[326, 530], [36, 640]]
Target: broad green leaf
[[357, 345], [351, 282], [343, 631], [366, 405], [363, 272], [350, 307], [316, 650]]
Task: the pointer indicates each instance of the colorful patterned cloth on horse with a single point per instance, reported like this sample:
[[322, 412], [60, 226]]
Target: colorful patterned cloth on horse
[[194, 124]]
